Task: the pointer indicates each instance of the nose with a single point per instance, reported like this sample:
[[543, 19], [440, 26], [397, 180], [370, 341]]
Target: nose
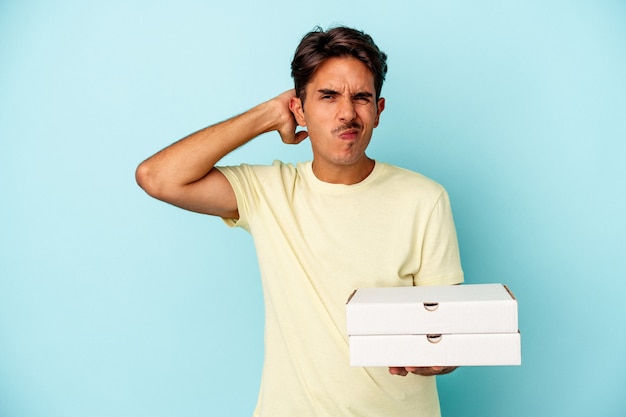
[[346, 111]]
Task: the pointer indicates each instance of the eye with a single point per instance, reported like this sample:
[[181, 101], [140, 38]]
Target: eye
[[363, 99]]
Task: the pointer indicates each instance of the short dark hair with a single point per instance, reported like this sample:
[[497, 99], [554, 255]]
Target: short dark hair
[[318, 45]]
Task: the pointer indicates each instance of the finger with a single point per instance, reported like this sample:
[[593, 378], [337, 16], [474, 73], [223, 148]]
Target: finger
[[427, 368], [398, 371], [301, 135], [425, 371], [291, 137], [287, 137]]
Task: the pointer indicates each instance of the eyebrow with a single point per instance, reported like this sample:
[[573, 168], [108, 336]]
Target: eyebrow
[[363, 94], [360, 94]]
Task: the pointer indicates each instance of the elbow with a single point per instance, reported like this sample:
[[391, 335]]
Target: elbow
[[156, 182], [145, 178]]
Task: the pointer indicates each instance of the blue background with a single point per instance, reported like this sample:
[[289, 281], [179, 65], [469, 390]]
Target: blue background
[[113, 304]]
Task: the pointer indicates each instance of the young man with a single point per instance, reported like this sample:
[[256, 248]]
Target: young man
[[321, 228]]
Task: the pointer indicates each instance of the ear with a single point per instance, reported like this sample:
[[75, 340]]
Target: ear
[[296, 107], [380, 106]]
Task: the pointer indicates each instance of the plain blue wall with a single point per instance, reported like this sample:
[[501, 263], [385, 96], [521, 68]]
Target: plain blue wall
[[113, 304]]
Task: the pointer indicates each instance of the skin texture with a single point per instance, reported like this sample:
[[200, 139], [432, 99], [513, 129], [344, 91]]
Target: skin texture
[[340, 114]]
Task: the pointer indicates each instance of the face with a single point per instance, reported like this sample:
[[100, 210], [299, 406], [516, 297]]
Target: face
[[340, 113]]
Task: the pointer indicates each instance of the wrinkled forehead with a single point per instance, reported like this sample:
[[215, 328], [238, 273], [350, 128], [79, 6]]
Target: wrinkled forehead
[[342, 75]]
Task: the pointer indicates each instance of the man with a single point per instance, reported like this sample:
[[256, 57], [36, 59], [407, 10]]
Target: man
[[321, 228]]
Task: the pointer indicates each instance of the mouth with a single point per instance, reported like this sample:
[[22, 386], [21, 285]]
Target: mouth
[[349, 134]]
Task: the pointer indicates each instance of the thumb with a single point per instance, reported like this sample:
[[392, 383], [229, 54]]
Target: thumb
[[291, 137], [300, 136]]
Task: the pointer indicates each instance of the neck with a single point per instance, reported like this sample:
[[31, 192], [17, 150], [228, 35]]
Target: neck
[[344, 174]]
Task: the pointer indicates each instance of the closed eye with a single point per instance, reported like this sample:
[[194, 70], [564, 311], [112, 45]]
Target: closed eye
[[362, 97], [326, 94]]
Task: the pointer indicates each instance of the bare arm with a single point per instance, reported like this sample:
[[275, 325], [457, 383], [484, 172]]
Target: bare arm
[[183, 174]]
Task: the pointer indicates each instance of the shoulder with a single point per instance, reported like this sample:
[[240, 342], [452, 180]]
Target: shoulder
[[409, 181], [277, 169], [276, 165]]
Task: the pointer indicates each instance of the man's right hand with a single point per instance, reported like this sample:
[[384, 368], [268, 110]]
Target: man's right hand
[[287, 124]]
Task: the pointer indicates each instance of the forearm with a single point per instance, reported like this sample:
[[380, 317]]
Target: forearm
[[194, 156]]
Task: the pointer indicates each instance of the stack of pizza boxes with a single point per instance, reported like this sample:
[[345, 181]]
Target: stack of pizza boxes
[[459, 325]]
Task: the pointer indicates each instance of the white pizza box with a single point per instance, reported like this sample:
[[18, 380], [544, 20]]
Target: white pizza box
[[469, 308], [436, 350]]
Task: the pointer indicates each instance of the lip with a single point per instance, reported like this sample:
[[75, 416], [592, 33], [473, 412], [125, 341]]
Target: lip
[[349, 134]]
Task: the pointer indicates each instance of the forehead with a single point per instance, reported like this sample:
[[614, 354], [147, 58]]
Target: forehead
[[342, 73]]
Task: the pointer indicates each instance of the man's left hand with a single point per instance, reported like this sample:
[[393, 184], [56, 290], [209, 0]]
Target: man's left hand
[[423, 371]]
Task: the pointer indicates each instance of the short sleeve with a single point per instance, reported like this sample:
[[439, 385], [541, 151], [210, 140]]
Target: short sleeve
[[441, 261], [239, 177]]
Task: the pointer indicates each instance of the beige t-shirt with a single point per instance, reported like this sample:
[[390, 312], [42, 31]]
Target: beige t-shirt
[[316, 242]]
